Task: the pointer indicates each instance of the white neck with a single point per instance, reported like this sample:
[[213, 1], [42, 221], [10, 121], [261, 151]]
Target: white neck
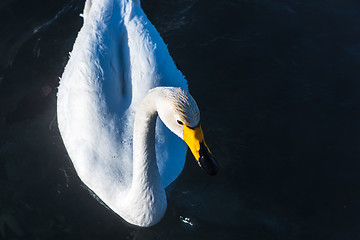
[[146, 197]]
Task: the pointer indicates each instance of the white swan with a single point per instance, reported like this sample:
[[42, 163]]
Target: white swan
[[119, 78]]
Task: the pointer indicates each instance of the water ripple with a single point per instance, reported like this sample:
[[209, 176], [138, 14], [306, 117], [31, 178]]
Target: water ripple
[[24, 35]]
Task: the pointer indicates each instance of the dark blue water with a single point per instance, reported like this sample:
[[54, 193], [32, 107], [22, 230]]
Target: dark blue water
[[278, 86]]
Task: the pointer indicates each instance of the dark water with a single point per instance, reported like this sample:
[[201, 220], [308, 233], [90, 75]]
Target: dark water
[[278, 86]]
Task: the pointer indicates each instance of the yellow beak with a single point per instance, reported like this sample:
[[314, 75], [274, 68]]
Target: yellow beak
[[194, 138]]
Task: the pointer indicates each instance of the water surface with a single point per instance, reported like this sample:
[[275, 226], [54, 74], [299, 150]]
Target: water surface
[[277, 83]]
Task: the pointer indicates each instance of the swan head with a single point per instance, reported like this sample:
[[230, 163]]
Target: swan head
[[180, 113]]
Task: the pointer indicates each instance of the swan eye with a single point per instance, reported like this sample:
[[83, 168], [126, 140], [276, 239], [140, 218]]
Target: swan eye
[[180, 122]]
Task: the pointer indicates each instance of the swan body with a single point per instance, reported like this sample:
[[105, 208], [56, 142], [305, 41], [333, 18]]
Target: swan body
[[118, 80]]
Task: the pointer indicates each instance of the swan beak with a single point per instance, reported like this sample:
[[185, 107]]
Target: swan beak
[[194, 138]]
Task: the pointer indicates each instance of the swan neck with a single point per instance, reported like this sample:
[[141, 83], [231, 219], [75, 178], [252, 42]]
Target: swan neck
[[146, 197], [145, 170], [144, 142]]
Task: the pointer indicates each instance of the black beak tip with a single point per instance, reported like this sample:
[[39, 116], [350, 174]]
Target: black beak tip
[[207, 161], [209, 165]]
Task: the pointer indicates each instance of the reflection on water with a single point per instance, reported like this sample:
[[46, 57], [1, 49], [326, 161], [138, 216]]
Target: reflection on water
[[277, 85]]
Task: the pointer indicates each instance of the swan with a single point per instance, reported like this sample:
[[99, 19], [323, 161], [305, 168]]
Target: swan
[[119, 80]]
